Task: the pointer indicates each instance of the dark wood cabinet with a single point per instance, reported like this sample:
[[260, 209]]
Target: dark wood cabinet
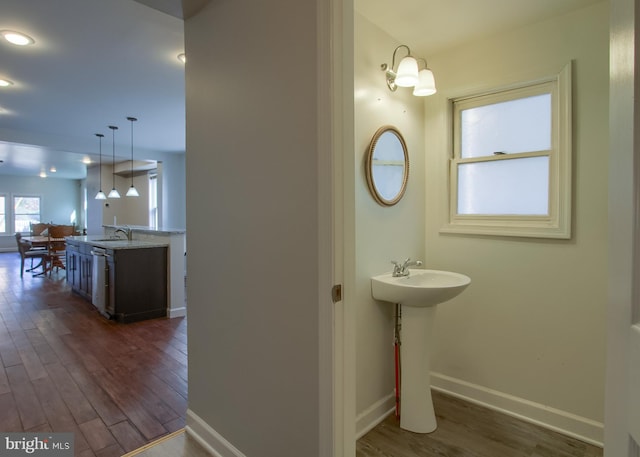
[[137, 283], [79, 265], [136, 280]]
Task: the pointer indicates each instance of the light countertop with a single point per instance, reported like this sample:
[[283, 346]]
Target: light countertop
[[151, 230], [107, 242]]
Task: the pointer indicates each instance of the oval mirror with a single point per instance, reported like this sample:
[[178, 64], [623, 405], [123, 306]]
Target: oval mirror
[[387, 166]]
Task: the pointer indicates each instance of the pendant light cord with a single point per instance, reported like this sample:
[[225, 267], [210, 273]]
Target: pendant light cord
[[132, 119], [113, 157], [132, 192], [100, 136]]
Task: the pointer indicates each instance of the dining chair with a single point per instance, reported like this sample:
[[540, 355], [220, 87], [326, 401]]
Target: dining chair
[[38, 228], [57, 247], [24, 248]]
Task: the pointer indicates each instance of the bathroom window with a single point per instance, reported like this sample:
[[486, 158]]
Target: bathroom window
[[510, 172]]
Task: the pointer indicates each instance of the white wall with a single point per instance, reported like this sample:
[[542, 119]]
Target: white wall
[[60, 200], [135, 210], [381, 233], [174, 189], [528, 334], [252, 213]]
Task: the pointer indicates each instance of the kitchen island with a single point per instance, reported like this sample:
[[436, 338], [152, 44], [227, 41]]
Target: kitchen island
[[175, 239], [125, 280]]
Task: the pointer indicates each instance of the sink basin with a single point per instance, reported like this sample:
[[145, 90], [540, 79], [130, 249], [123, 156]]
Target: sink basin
[[419, 294], [422, 288]]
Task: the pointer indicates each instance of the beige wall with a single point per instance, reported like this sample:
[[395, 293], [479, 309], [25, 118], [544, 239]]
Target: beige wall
[[381, 233], [528, 334]]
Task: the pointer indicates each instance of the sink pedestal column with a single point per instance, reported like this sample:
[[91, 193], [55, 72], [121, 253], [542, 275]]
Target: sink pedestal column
[[416, 405]]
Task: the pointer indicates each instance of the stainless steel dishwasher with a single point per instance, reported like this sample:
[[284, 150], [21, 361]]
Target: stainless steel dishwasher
[[99, 281]]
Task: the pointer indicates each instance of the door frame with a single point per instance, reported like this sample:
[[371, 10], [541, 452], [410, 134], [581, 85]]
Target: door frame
[[624, 230], [337, 409]]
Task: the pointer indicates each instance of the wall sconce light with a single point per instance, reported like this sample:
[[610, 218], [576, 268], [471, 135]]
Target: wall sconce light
[[408, 75], [114, 192], [100, 195]]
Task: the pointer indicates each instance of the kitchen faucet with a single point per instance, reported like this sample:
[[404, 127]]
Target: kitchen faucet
[[126, 230], [402, 269]]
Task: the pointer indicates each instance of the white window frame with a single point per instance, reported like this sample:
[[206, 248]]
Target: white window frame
[[153, 200], [5, 212], [557, 223]]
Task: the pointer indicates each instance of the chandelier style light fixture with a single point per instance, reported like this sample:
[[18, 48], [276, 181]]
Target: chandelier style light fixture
[[114, 192], [100, 195], [409, 75], [132, 192]]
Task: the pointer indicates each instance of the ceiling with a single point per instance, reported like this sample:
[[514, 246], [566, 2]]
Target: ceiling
[[95, 62], [431, 26]]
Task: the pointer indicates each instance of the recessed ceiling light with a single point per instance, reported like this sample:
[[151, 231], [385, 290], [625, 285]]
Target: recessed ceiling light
[[182, 57], [53, 169], [5, 83], [43, 174], [86, 160], [17, 38]]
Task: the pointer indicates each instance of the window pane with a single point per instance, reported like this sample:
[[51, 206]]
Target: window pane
[[521, 125], [3, 221], [153, 201], [504, 187], [25, 210]]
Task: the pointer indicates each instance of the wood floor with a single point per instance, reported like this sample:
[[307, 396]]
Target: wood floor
[[468, 430], [118, 387], [64, 368]]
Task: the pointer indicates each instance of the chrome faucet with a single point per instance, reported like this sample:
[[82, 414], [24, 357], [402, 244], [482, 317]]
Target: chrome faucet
[[126, 230], [402, 269]]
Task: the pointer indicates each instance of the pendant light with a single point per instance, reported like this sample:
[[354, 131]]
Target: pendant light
[[132, 192], [100, 195], [113, 193]]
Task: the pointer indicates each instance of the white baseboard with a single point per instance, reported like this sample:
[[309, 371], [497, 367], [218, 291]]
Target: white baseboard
[[177, 312], [375, 414], [560, 421], [208, 438]]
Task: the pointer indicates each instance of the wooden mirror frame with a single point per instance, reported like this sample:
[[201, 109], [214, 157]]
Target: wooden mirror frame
[[370, 162]]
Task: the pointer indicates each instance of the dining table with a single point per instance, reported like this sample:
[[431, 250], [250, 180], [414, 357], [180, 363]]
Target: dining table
[[41, 241]]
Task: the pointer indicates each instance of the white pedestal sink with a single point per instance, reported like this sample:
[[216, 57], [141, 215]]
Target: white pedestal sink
[[419, 293]]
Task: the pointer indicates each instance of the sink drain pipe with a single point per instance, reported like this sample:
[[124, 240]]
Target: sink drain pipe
[[396, 347]]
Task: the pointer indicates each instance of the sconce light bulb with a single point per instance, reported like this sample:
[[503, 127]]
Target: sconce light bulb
[[426, 84], [407, 74]]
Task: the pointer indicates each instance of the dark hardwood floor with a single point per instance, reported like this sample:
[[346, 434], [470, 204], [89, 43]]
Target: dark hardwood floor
[[468, 430], [65, 368]]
